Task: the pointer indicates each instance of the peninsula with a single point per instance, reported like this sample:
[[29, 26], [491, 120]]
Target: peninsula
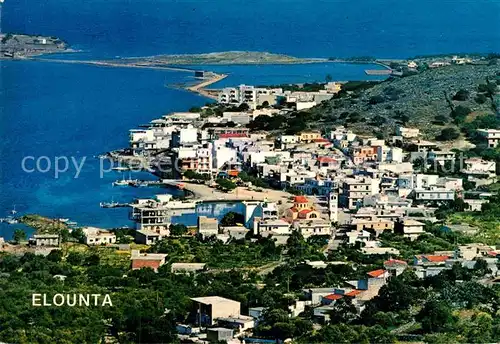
[[24, 46]]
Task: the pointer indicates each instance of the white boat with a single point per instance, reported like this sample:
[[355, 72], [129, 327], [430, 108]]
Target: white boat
[[168, 202], [122, 182], [63, 220], [10, 220], [71, 223], [13, 211]]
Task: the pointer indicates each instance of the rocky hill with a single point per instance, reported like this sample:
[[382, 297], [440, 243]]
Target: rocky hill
[[430, 100]]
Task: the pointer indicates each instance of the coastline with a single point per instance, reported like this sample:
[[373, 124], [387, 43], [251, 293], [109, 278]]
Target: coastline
[[200, 87], [208, 194]]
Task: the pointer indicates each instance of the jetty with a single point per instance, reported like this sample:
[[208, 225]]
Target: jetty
[[200, 87], [113, 205], [378, 71]]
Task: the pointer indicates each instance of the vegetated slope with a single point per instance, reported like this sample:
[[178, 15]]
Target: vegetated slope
[[226, 57], [425, 101]]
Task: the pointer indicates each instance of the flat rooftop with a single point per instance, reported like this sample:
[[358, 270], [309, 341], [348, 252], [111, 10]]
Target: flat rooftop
[[212, 300]]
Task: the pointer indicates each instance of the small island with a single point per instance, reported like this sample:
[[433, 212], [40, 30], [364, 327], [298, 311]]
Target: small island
[[220, 58], [15, 46]]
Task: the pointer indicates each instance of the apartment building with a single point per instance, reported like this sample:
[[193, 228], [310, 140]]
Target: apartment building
[[492, 136], [355, 189]]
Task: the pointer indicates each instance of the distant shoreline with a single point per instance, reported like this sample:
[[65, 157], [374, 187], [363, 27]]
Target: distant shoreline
[[199, 88]]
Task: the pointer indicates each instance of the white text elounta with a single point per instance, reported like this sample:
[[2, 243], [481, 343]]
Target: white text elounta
[[71, 300]]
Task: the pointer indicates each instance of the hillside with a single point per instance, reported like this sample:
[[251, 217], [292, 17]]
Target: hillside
[[424, 100]]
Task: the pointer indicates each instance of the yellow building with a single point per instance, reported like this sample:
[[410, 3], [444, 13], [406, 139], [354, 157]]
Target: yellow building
[[302, 209], [309, 136]]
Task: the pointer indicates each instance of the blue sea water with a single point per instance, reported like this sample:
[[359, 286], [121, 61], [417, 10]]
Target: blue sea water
[[50, 109], [383, 28], [285, 73], [55, 110]]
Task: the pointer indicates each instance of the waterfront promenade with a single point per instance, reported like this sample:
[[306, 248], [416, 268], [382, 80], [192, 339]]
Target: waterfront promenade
[[204, 193]]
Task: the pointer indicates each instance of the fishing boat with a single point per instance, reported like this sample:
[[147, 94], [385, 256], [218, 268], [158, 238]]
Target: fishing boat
[[10, 220], [125, 182], [13, 211], [63, 220], [122, 182], [108, 204], [113, 205]]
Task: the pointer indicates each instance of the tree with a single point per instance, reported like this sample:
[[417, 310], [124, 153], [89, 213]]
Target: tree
[[19, 235], [78, 234], [479, 329], [243, 107], [480, 98], [225, 184], [436, 316], [481, 268], [75, 258], [55, 256], [461, 95], [489, 88], [460, 113], [376, 100], [448, 134], [195, 109], [440, 119], [65, 235], [178, 229], [232, 218], [419, 164], [343, 311]]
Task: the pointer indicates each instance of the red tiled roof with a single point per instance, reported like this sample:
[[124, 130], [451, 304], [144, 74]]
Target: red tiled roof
[[227, 136], [326, 159], [300, 199], [353, 293], [436, 259], [493, 253], [303, 213], [294, 209], [333, 297], [321, 140], [376, 273], [394, 262]]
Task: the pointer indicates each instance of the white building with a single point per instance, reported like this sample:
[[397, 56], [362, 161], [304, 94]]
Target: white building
[[355, 189], [97, 236], [491, 135], [479, 166], [222, 155], [407, 132], [271, 227], [250, 95], [188, 135], [441, 157], [434, 194], [409, 228], [389, 154], [313, 227]]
